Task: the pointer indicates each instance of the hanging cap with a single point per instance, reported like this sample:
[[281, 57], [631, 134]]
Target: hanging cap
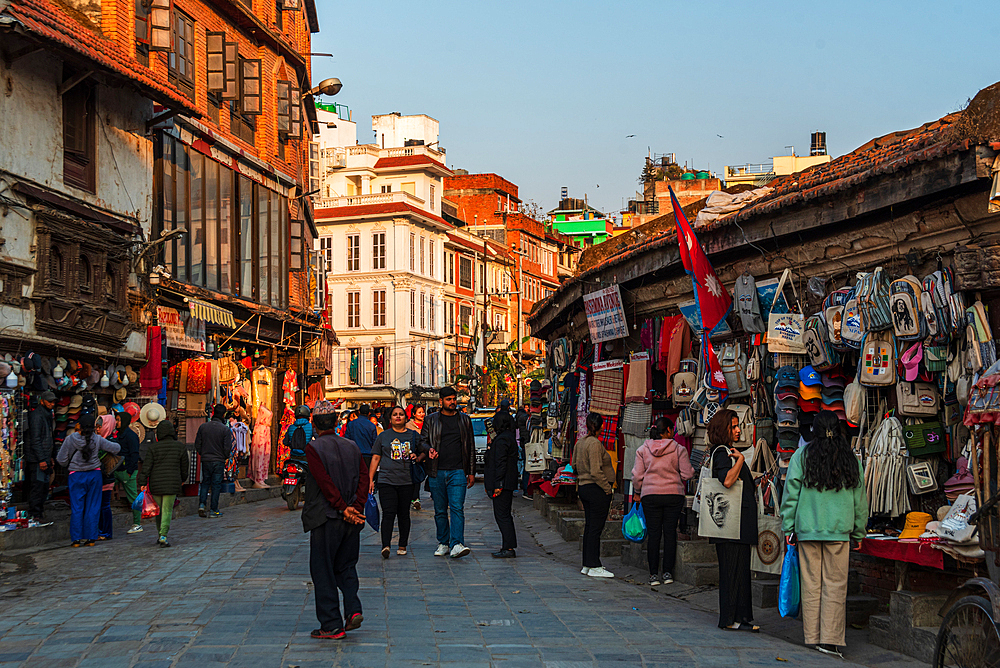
[[809, 376], [788, 376]]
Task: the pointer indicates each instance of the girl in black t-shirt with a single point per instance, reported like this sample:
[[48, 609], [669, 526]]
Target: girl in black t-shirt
[[394, 451]]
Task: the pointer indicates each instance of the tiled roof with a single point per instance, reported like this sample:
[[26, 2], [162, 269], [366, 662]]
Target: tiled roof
[[330, 213], [408, 161], [49, 20]]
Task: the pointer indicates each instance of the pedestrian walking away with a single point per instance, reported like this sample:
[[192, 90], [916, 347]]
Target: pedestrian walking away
[[80, 453], [661, 468], [728, 466], [38, 455], [128, 473], [447, 439], [416, 423], [333, 513], [500, 479], [361, 430], [824, 510], [595, 477], [105, 428], [214, 443], [395, 449], [164, 470]]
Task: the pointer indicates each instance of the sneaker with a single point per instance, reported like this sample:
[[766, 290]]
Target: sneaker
[[401, 551], [667, 578], [385, 552], [585, 571], [37, 523], [655, 581], [415, 505], [354, 621], [215, 513], [76, 543], [504, 554], [136, 528], [459, 551], [442, 550], [600, 572], [163, 542], [202, 512], [335, 634], [90, 543], [829, 649]]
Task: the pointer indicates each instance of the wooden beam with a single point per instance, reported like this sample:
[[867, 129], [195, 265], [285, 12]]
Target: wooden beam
[[10, 58], [68, 85], [159, 118]]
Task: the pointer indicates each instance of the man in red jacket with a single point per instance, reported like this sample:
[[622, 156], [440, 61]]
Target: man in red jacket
[[333, 514]]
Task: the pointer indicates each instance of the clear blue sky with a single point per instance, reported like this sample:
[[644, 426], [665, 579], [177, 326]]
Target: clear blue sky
[[544, 92]]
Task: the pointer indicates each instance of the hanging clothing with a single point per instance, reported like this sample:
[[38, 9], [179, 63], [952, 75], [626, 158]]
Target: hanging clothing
[[263, 384], [151, 375], [260, 447], [289, 386], [287, 420]]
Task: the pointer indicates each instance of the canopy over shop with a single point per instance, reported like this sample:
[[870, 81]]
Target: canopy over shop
[[887, 316]]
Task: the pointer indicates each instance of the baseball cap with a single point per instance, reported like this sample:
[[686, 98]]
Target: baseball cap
[[788, 417], [48, 395], [790, 403], [809, 376], [833, 379], [788, 439], [809, 405], [809, 391], [787, 376], [787, 393]]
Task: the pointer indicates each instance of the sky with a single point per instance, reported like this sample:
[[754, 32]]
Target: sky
[[545, 93]]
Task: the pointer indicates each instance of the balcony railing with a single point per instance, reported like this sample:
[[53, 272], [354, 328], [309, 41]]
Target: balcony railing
[[411, 150], [366, 200], [749, 169]]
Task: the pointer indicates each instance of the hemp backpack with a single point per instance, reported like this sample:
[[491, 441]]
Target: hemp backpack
[[878, 360], [904, 302], [822, 356]]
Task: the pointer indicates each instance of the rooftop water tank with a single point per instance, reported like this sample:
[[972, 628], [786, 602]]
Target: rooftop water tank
[[687, 176], [702, 175]]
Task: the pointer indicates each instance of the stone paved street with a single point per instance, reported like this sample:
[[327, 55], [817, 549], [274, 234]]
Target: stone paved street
[[236, 592]]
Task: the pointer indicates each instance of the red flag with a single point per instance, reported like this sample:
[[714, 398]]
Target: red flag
[[713, 370], [713, 299]]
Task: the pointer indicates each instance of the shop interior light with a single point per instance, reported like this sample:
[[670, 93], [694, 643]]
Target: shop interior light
[[11, 380], [105, 381]]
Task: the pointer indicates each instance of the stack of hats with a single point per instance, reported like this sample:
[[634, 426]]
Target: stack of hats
[[786, 408], [809, 393], [832, 392]]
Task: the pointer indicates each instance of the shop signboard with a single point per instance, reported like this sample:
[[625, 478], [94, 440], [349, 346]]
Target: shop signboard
[[605, 314], [184, 333]]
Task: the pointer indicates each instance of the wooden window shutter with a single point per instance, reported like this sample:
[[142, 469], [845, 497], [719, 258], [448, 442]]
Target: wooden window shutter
[[295, 107], [284, 89], [142, 21], [231, 73], [250, 86], [290, 5], [215, 61], [161, 33]]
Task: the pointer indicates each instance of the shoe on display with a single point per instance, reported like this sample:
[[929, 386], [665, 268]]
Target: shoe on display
[[503, 554], [655, 581], [335, 634], [459, 551], [202, 512], [354, 621], [667, 578], [136, 528], [600, 572], [585, 570], [441, 551]]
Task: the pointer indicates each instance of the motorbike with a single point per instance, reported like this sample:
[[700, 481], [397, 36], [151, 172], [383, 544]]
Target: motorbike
[[293, 482]]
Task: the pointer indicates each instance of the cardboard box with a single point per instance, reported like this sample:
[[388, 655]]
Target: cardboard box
[[195, 404]]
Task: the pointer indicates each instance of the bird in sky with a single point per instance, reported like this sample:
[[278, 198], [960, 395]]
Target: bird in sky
[[720, 136], [627, 136]]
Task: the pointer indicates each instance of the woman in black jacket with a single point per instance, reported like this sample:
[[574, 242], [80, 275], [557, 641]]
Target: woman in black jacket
[[128, 472], [500, 478]]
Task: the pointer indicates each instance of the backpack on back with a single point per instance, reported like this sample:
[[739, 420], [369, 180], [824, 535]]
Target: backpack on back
[[822, 356], [907, 317], [298, 439], [877, 364], [734, 367]]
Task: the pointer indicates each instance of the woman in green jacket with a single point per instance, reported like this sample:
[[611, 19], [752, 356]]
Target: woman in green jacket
[[165, 469], [824, 510]]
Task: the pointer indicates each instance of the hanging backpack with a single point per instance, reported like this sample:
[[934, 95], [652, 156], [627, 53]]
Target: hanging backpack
[[833, 312], [907, 317], [745, 417], [855, 403], [822, 356], [734, 367], [877, 364], [851, 332], [934, 286], [873, 301], [956, 302], [685, 382], [915, 399]]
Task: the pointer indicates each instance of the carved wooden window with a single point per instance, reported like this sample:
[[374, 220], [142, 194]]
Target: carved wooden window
[[57, 266], [250, 86], [86, 275], [79, 145], [111, 284], [215, 61]]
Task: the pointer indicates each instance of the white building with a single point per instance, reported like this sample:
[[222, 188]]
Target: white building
[[378, 213]]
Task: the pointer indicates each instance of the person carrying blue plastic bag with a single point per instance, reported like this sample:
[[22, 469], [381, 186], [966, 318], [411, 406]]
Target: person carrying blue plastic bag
[[789, 594], [824, 512], [634, 524]]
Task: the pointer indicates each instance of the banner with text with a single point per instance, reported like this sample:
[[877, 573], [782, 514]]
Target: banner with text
[[605, 314], [187, 333]]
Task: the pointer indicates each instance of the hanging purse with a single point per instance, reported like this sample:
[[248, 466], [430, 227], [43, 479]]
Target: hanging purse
[[926, 438], [921, 478], [784, 328]]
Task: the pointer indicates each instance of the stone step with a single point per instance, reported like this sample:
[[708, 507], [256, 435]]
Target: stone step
[[696, 551], [570, 528], [916, 609], [861, 607], [697, 574], [610, 547], [764, 593], [911, 626], [880, 631]]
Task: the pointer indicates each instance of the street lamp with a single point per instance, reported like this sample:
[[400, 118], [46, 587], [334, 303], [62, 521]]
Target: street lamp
[[327, 87]]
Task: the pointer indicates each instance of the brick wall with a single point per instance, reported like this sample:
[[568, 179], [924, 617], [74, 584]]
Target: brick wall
[[878, 576]]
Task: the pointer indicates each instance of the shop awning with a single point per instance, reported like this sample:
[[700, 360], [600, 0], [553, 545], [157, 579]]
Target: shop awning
[[211, 313]]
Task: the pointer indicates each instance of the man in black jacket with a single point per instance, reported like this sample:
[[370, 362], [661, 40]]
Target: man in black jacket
[[38, 455], [214, 443], [447, 438], [333, 514]]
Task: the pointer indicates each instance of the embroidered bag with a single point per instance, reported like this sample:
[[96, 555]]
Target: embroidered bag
[[873, 301], [925, 438], [822, 356], [904, 302], [915, 399], [877, 364], [784, 328], [833, 311], [685, 382], [851, 332]]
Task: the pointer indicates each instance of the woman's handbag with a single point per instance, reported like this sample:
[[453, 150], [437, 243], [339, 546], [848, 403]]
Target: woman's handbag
[[770, 550], [634, 524], [417, 473], [110, 463], [721, 506]]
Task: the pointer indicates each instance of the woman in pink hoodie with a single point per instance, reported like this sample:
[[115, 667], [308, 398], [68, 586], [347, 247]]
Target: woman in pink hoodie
[[661, 468]]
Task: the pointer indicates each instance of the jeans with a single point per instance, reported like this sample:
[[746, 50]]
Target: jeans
[[166, 504], [85, 504], [596, 505], [448, 491], [395, 502], [505, 521], [662, 512], [36, 490], [211, 477], [105, 521], [128, 483], [333, 561]]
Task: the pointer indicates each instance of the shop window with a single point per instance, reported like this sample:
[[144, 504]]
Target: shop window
[[381, 354], [378, 308], [180, 61], [353, 309], [354, 370], [79, 146], [465, 272]]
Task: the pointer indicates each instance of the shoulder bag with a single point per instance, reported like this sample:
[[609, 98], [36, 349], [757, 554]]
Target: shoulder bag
[[721, 506]]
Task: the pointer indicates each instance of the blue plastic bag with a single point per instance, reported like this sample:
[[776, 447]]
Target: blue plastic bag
[[788, 589], [139, 499], [371, 512], [634, 524]]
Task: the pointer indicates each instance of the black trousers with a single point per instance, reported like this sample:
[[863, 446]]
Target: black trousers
[[36, 490], [504, 518], [735, 600], [596, 505], [662, 512], [333, 561], [395, 502]]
